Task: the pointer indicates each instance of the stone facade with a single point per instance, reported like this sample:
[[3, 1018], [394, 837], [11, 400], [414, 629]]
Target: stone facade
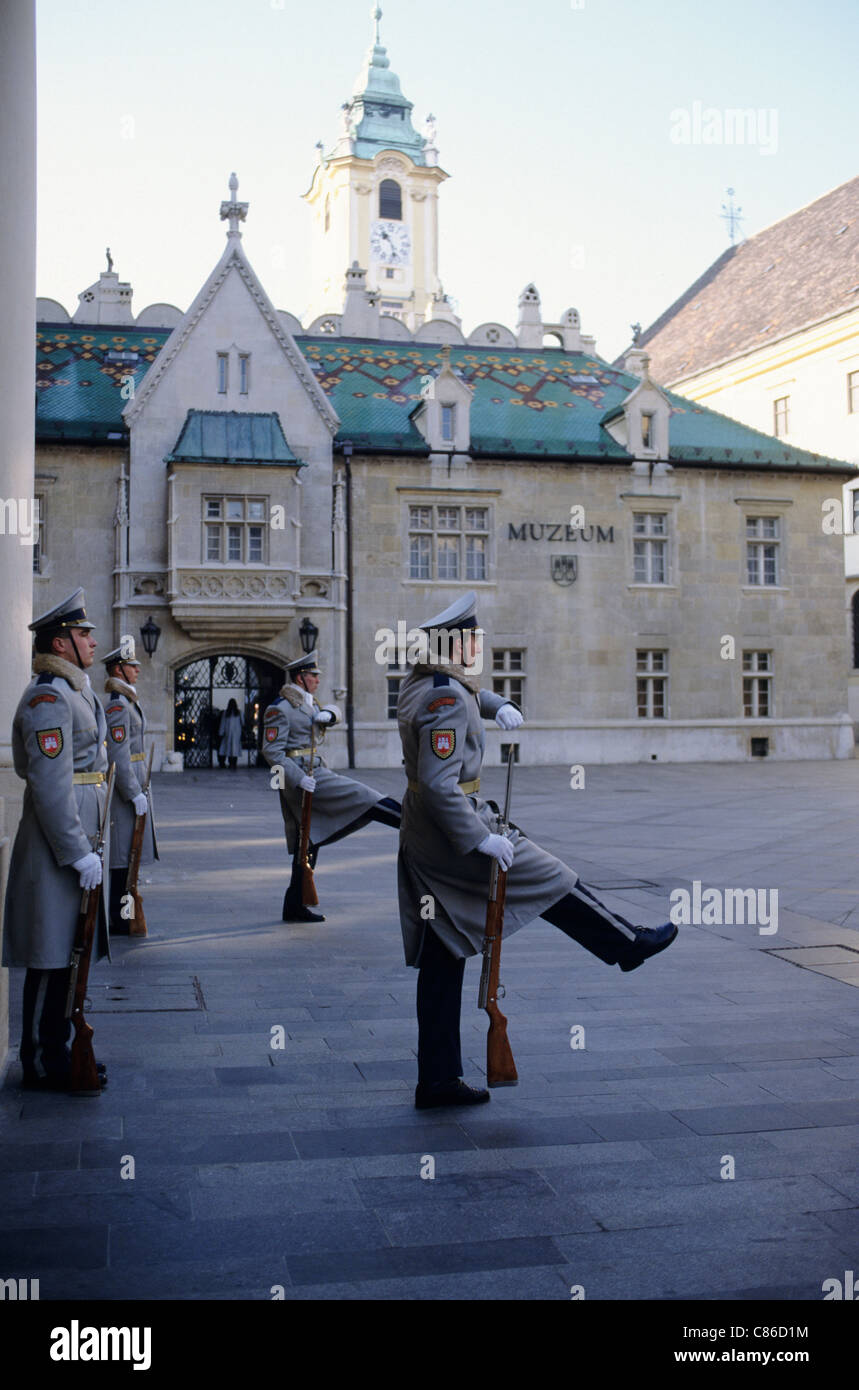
[[579, 641]]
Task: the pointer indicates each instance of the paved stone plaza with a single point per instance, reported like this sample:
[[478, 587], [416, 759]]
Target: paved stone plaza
[[301, 1167]]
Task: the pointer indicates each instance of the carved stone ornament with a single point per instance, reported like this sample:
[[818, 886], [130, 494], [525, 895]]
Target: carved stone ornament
[[148, 583]]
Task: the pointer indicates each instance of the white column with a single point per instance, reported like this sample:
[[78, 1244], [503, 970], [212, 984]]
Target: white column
[[17, 372]]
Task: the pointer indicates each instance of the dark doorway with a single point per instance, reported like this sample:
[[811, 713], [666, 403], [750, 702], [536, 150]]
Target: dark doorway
[[202, 691]]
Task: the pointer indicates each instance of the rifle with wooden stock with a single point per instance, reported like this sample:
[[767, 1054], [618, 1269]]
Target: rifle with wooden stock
[[309, 896], [83, 1077], [137, 926], [500, 1066]]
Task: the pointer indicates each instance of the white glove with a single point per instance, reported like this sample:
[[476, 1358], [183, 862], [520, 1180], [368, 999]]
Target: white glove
[[308, 784], [324, 717], [508, 717], [497, 847], [89, 870], [140, 804]]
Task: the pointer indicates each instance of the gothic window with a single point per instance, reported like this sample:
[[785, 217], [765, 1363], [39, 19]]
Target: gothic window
[[223, 373], [390, 201]]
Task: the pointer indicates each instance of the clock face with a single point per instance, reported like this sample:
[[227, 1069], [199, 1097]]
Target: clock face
[[390, 243]]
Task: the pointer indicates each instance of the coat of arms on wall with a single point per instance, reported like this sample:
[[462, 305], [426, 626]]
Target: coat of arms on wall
[[565, 568]]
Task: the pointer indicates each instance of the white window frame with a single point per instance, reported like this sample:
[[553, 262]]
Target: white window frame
[[462, 532], [756, 546], [223, 524], [648, 677], [649, 542], [758, 678], [507, 674]]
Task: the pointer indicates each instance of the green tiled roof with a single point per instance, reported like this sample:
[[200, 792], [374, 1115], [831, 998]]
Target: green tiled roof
[[80, 376], [527, 404], [232, 436]]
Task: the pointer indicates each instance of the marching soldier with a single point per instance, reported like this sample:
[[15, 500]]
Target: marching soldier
[[340, 804], [58, 738], [447, 839], [126, 725]]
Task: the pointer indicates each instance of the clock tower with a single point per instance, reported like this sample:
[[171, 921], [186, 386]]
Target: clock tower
[[375, 200]]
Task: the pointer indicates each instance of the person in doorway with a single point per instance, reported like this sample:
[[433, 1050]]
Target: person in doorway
[[230, 735]]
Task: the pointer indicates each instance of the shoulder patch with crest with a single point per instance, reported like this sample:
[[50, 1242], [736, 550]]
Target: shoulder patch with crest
[[118, 733], [441, 702], [50, 742], [270, 734], [443, 742], [42, 700], [271, 714]]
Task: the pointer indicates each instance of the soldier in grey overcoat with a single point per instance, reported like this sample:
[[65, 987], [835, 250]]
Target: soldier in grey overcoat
[[58, 747], [448, 837], [340, 804], [126, 725]]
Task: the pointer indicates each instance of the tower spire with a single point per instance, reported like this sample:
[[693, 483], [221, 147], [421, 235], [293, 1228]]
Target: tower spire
[[377, 15]]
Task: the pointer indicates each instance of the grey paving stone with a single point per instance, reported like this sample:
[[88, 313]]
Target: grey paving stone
[[38, 1157], [208, 1148], [79, 1246], [293, 1233], [708, 1201], [443, 1260], [493, 1133], [389, 1139], [737, 1119], [98, 1208], [540, 1214], [635, 1124], [476, 1186]]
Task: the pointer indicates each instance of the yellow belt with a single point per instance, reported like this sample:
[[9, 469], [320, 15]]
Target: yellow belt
[[299, 752], [89, 779], [467, 788], [137, 757]]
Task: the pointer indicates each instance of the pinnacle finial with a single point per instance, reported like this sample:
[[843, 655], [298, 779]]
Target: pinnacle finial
[[376, 14], [233, 210]]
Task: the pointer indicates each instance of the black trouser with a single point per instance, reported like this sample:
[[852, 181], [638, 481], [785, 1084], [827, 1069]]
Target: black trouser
[[45, 1030], [579, 914], [118, 924], [387, 812]]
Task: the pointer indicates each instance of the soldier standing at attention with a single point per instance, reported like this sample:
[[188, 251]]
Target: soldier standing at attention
[[446, 842], [58, 736], [126, 725], [340, 804]]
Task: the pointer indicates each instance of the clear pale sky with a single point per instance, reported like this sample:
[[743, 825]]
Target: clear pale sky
[[555, 124]]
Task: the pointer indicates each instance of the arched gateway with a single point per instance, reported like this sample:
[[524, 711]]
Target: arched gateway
[[202, 691]]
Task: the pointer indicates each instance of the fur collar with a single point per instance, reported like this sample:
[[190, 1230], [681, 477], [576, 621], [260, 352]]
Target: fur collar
[[113, 685], [457, 673], [58, 666], [295, 697]]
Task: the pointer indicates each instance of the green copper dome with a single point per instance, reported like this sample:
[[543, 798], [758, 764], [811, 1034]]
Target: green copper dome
[[378, 112]]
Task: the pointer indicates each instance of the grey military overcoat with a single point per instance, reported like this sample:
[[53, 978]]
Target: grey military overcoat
[[126, 725], [440, 719], [337, 800], [59, 729]]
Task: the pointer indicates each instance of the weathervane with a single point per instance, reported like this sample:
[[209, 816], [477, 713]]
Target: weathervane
[[731, 215]]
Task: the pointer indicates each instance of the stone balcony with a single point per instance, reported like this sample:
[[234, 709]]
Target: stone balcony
[[248, 601]]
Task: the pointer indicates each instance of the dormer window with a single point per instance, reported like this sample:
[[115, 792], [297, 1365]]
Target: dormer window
[[448, 423], [390, 201]]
